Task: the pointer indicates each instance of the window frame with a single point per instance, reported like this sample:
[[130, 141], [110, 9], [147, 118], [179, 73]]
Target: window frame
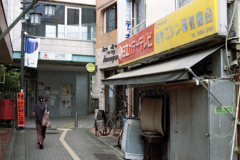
[[134, 12], [105, 18], [64, 35], [79, 20]]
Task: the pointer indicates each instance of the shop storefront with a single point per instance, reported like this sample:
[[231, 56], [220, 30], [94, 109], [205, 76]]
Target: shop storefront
[[181, 59]]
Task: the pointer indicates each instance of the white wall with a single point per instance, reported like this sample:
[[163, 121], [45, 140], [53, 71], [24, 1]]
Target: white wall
[[157, 9], [86, 2]]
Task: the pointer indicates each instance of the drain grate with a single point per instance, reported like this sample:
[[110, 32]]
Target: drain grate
[[101, 156]]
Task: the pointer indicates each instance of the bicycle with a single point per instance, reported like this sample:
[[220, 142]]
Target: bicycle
[[109, 125]]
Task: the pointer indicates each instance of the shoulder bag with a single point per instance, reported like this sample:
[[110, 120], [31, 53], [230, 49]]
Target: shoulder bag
[[45, 119]]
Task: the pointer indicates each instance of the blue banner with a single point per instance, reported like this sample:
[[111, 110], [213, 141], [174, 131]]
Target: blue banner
[[31, 52]]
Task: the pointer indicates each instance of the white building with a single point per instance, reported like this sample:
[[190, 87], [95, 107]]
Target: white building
[[67, 44]]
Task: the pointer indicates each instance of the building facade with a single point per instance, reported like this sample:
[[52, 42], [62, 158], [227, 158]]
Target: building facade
[[179, 52], [106, 54], [67, 42]]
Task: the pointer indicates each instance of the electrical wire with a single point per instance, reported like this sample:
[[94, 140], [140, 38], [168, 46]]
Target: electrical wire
[[229, 27], [219, 119]]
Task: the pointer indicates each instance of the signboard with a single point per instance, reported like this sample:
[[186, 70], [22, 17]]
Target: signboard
[[137, 46], [56, 56], [128, 18], [195, 21], [221, 110], [90, 67], [20, 109], [31, 52], [198, 22]]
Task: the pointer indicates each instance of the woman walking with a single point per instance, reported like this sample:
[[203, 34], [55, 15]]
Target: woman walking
[[38, 112]]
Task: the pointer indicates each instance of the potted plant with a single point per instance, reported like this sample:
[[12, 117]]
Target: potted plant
[[8, 90]]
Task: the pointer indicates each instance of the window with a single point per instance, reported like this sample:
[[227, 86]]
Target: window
[[110, 19], [139, 16], [183, 2], [68, 22], [140, 11], [88, 26]]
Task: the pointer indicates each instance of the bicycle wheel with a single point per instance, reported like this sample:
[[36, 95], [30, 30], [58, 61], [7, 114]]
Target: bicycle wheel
[[106, 131], [120, 139]]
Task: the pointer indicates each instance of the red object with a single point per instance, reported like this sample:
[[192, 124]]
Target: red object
[[7, 109], [20, 109], [136, 47]]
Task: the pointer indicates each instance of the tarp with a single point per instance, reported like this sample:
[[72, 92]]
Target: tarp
[[172, 69]]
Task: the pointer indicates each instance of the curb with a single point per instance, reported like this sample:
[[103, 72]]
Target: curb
[[121, 154], [10, 145]]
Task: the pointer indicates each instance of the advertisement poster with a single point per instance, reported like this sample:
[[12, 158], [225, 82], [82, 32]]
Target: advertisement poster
[[47, 90], [54, 91], [52, 102], [53, 97], [65, 89], [41, 86], [20, 109], [62, 104], [68, 104], [41, 92], [47, 99], [31, 52]]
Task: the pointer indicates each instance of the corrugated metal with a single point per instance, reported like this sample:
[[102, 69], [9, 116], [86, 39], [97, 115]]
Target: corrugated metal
[[194, 125]]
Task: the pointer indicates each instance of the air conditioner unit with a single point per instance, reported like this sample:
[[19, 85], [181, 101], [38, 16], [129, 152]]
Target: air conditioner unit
[[132, 145]]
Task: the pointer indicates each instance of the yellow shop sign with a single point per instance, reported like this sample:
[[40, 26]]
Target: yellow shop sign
[[195, 21]]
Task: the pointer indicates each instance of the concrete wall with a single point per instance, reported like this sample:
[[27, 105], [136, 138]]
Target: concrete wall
[[67, 46], [79, 85], [85, 2]]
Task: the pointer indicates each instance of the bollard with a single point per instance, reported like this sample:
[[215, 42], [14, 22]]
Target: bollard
[[76, 120]]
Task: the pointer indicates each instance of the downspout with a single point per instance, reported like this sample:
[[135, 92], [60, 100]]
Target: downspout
[[235, 124], [18, 18], [190, 70]]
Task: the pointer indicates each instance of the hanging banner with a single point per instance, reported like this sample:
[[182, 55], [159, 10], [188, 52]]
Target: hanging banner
[[31, 52], [20, 109]]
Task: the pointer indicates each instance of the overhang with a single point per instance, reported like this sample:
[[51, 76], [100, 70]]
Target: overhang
[[6, 49], [169, 70]]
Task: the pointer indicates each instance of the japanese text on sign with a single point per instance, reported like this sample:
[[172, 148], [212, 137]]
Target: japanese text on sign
[[195, 21], [137, 46], [20, 109], [128, 21]]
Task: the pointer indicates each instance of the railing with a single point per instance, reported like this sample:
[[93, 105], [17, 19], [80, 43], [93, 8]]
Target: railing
[[138, 28]]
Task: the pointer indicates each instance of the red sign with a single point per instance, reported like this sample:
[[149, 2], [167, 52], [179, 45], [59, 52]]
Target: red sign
[[137, 46], [20, 109]]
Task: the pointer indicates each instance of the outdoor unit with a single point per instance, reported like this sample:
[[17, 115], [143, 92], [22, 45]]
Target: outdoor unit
[[132, 145]]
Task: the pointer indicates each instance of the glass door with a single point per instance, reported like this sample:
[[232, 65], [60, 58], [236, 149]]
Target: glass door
[[72, 22]]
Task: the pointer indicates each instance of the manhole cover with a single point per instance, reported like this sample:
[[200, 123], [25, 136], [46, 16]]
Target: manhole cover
[[100, 156]]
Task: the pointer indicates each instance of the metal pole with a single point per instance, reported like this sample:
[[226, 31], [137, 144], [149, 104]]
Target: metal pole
[[22, 59], [18, 18], [76, 119]]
